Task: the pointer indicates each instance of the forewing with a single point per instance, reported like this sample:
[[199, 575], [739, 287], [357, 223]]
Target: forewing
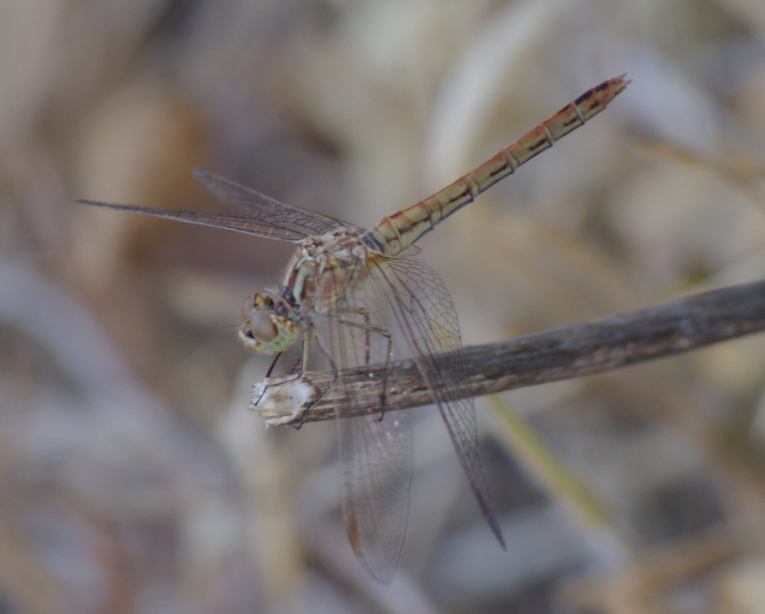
[[230, 221], [264, 208], [376, 449], [424, 311]]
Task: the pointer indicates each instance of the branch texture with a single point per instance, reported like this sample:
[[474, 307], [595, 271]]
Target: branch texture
[[562, 353]]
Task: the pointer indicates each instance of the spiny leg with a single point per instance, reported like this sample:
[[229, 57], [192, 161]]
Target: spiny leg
[[371, 328], [363, 312], [310, 336], [297, 366], [273, 364], [268, 374], [297, 369]]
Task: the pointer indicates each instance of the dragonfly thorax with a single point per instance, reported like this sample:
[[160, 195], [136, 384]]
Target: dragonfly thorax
[[327, 268], [267, 327]]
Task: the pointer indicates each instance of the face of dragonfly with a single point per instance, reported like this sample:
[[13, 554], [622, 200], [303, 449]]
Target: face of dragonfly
[[262, 330]]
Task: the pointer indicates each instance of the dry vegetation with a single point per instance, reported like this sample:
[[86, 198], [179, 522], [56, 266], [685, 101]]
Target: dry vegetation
[[132, 476]]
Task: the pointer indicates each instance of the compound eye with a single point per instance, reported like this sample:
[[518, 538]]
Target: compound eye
[[261, 325], [254, 302], [247, 307]]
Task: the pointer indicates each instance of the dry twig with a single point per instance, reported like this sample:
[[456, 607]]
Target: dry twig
[[562, 353]]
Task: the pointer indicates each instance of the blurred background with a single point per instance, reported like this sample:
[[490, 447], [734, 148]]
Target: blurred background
[[133, 477]]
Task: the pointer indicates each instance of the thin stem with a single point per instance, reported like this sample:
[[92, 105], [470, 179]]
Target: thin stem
[[563, 353]]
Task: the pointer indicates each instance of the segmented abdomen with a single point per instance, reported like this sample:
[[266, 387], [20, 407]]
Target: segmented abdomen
[[395, 233]]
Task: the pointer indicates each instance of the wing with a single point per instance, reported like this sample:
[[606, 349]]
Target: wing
[[376, 457], [259, 214], [264, 208], [375, 450], [424, 311], [230, 221]]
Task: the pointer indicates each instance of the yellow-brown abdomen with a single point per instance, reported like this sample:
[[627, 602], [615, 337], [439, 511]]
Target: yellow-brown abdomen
[[395, 233]]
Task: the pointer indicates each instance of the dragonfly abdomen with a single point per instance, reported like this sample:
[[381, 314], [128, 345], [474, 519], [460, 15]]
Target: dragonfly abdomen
[[395, 233]]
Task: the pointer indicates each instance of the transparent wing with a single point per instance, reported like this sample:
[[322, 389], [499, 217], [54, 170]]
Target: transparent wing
[[424, 311], [265, 209], [259, 214], [230, 221], [376, 449]]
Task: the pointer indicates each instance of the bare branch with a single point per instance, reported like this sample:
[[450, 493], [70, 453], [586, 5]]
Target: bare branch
[[562, 353]]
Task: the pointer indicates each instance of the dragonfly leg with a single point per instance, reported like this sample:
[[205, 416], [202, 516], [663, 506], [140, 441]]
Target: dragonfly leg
[[370, 328], [309, 337], [268, 374], [367, 326], [297, 367], [297, 370], [273, 364]]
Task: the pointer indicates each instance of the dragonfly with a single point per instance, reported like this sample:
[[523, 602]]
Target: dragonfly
[[360, 297]]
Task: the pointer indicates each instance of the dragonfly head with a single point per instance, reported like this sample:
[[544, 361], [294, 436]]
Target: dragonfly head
[[262, 330]]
